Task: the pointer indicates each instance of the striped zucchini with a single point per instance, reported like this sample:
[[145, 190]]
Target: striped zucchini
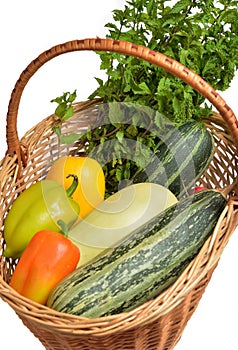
[[145, 264], [181, 157]]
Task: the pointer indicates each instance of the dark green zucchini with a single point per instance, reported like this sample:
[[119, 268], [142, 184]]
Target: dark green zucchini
[[181, 157], [145, 264]]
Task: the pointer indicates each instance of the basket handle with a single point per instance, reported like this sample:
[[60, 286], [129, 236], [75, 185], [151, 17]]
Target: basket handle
[[122, 47]]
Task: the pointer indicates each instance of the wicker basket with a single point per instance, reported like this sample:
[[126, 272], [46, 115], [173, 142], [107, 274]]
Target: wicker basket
[[157, 324]]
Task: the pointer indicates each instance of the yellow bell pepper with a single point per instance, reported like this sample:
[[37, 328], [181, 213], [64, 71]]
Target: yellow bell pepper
[[91, 187]]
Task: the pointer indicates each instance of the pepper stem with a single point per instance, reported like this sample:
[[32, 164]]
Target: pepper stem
[[64, 228], [70, 191]]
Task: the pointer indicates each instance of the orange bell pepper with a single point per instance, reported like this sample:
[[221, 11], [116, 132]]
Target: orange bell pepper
[[47, 259]]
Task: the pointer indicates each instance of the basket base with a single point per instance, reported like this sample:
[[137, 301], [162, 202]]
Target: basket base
[[161, 334]]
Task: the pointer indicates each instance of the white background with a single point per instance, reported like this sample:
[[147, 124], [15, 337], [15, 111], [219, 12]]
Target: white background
[[27, 28]]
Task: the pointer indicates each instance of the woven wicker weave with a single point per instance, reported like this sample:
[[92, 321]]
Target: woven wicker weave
[[158, 324]]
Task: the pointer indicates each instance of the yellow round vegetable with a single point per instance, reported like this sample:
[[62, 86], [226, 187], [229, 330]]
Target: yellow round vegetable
[[118, 216]]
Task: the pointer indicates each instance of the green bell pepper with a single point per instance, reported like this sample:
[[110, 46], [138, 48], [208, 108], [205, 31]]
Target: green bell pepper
[[45, 205]]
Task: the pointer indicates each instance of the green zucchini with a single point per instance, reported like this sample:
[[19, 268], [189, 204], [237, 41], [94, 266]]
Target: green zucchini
[[145, 264], [181, 157]]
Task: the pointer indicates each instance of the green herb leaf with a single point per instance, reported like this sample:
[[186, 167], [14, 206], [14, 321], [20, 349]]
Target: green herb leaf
[[69, 139], [202, 35], [64, 110]]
